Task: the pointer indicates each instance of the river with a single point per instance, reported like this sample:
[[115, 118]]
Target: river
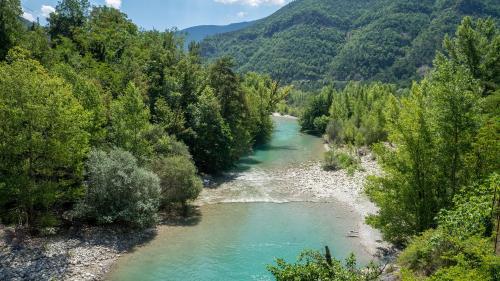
[[247, 220]]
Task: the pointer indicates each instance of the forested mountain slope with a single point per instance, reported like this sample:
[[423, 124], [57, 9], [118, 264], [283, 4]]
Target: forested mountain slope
[[342, 40], [200, 32]]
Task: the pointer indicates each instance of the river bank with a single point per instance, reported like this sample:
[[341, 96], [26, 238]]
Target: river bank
[[85, 253], [288, 169]]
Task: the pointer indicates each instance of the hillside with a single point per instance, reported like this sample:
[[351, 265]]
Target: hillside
[[200, 32], [339, 40]]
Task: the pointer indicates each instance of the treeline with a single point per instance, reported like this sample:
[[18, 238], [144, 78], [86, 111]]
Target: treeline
[[105, 122], [439, 148]]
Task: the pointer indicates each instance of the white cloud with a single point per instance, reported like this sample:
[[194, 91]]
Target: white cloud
[[28, 16], [114, 3], [253, 3], [242, 14], [47, 10]]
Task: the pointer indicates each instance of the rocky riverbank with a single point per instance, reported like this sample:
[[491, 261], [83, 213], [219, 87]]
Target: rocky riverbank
[[316, 184], [80, 254]]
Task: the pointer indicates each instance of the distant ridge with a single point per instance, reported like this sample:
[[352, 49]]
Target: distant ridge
[[200, 32]]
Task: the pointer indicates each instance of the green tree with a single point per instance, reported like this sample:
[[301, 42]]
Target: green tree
[[129, 118], [178, 180], [42, 142], [316, 110], [211, 144], [108, 35], [119, 191], [93, 99], [10, 25], [233, 105], [476, 46], [312, 265], [69, 16], [408, 194]]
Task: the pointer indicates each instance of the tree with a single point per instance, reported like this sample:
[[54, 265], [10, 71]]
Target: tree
[[408, 193], [233, 106], [212, 140], [178, 180], [130, 123], [10, 25], [315, 110], [93, 99], [312, 265], [262, 96], [119, 191], [455, 97], [107, 35], [43, 141], [69, 15], [476, 46]]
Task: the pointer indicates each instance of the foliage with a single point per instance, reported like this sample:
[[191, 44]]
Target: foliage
[[312, 119], [434, 133], [178, 180], [354, 115], [69, 15], [337, 160], [10, 26], [118, 190], [129, 118], [460, 248], [312, 43], [312, 265], [42, 141]]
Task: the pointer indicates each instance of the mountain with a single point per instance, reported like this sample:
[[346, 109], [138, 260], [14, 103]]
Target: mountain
[[314, 42], [198, 33], [26, 23]]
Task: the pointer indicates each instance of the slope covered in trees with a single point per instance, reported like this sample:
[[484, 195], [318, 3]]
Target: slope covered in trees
[[314, 42], [200, 32]]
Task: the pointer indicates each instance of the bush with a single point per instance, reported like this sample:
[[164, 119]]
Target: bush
[[335, 160], [178, 180], [460, 247], [118, 191], [312, 265]]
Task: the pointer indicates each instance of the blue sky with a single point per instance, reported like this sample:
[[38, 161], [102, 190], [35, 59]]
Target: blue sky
[[162, 14]]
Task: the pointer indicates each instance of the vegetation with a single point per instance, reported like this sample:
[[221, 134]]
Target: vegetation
[[339, 160], [314, 43], [312, 265], [354, 115], [92, 80], [438, 147], [438, 172], [118, 190]]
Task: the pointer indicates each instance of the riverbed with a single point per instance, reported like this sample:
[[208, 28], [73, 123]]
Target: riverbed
[[263, 209]]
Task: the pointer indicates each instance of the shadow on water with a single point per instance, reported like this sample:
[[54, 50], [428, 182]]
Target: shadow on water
[[269, 147], [188, 216]]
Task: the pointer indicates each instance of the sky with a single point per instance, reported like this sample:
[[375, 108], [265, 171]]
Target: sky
[[163, 14]]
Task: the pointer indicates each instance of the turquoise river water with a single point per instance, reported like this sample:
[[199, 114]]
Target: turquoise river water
[[247, 221]]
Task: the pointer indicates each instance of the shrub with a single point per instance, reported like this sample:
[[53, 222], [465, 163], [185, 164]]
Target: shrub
[[178, 180], [335, 160], [119, 191], [312, 265]]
